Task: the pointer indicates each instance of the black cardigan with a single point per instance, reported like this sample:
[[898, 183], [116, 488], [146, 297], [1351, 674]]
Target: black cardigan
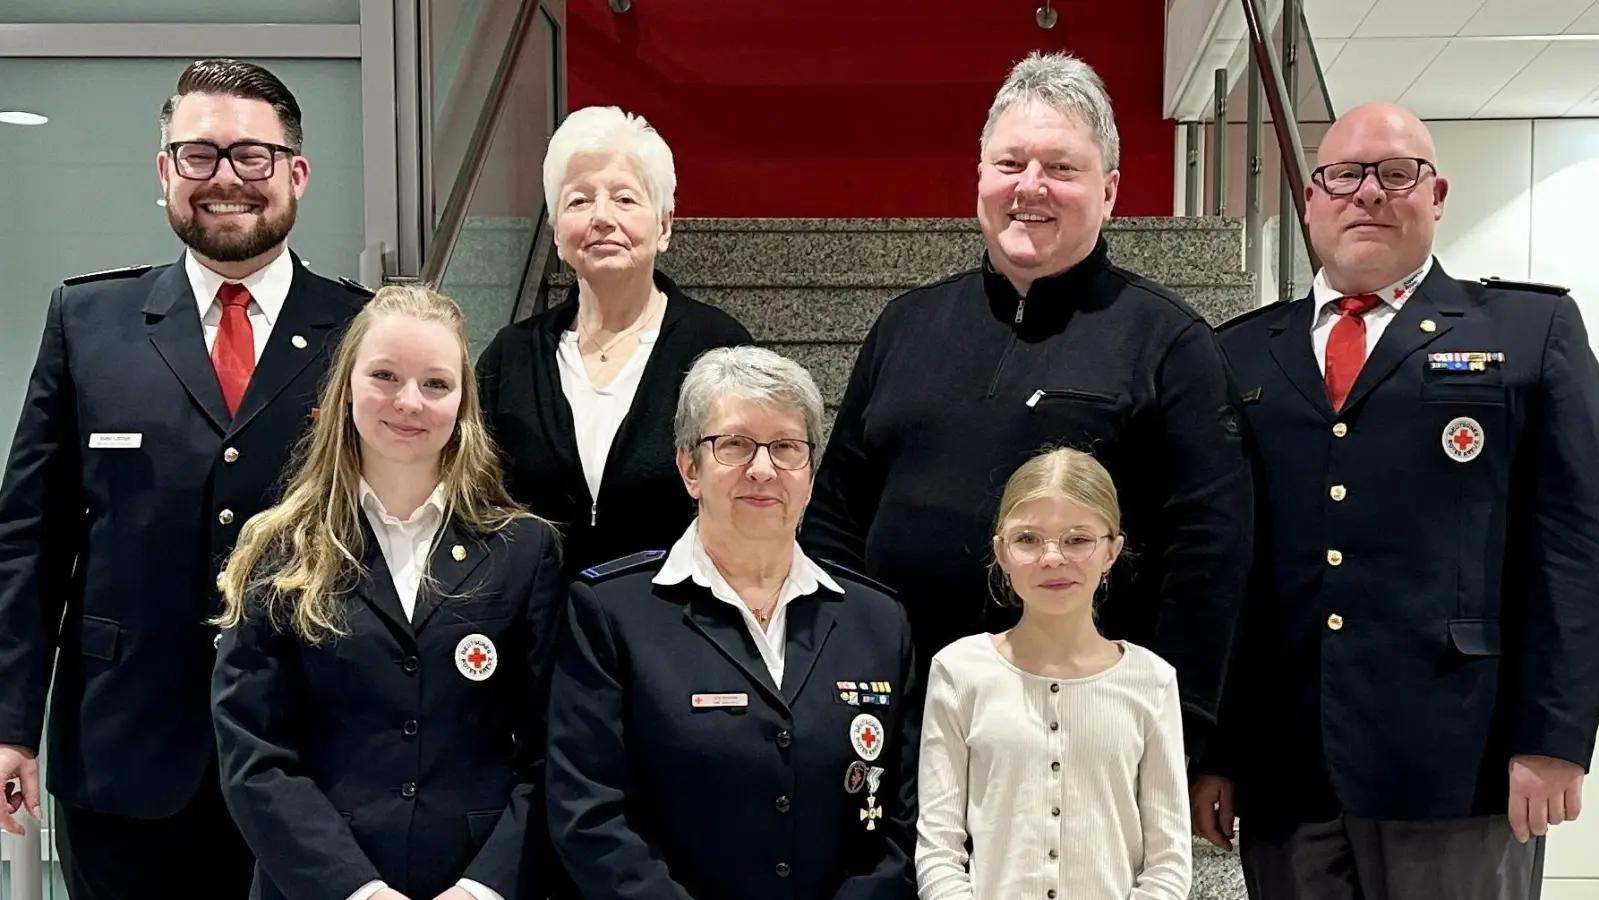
[[642, 504]]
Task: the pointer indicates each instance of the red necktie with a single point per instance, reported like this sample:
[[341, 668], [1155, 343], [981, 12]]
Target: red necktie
[[1346, 346], [233, 354]]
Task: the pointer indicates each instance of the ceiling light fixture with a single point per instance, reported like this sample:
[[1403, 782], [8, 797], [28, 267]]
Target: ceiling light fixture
[[18, 117]]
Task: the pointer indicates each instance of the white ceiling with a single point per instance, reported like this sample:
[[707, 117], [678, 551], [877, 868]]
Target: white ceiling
[[1460, 59]]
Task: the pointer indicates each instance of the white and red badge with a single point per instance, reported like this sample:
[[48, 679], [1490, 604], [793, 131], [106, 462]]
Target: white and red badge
[[476, 657], [866, 736], [1463, 439]]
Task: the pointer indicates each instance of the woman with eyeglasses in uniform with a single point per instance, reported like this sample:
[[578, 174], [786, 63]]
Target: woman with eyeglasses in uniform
[[730, 718]]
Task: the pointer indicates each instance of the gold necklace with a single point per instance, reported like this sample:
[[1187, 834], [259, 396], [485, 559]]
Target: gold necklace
[[649, 313]]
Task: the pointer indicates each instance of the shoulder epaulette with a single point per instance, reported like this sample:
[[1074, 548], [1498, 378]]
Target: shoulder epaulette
[[1247, 316], [1533, 286], [108, 274], [356, 286], [625, 564], [853, 575]]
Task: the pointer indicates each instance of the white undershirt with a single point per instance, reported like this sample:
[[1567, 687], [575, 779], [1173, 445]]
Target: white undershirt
[[268, 287], [1377, 319], [1067, 787], [407, 546], [597, 412], [688, 559]]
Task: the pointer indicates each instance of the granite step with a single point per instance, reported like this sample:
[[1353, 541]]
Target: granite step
[[885, 252]]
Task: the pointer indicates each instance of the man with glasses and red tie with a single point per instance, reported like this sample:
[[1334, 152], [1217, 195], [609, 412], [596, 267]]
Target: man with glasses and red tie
[[163, 405], [1416, 689]]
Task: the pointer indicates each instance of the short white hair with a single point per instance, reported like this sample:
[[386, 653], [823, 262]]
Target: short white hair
[[607, 129], [749, 373], [1067, 85]]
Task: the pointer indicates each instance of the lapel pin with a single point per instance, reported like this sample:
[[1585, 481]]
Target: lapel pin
[[298, 341], [1429, 326], [458, 553]]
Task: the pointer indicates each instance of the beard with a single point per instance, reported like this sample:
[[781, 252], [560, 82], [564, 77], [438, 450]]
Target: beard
[[232, 245]]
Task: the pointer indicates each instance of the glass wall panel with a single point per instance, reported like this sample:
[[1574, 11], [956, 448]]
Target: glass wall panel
[[211, 12]]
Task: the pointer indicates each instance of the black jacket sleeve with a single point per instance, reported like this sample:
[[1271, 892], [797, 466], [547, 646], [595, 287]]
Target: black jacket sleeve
[[1208, 519], [849, 481], [588, 773], [1556, 659], [40, 517], [894, 878], [515, 846], [301, 842]]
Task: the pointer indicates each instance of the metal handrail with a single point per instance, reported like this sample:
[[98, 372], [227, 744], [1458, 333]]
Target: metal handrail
[[1287, 130], [1315, 64], [453, 218]]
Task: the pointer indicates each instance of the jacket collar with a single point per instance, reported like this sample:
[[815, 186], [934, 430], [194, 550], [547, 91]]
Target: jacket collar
[[1050, 300]]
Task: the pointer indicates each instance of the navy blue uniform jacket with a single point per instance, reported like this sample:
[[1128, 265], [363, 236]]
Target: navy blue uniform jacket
[[651, 798], [372, 756], [1426, 604], [110, 553]]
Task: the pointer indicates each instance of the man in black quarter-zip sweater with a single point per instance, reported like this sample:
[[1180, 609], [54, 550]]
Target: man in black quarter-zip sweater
[[1046, 344]]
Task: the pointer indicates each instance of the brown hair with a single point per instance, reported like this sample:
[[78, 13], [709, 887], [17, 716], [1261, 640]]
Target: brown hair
[[236, 78], [297, 559]]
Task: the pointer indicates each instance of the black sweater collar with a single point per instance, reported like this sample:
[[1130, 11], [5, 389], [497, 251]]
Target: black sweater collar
[[1049, 300]]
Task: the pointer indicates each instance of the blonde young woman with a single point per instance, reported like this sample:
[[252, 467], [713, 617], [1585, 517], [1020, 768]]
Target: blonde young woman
[[1058, 754], [378, 693]]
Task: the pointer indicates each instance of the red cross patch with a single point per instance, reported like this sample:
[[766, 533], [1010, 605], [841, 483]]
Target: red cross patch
[[475, 657], [1462, 439], [866, 736]]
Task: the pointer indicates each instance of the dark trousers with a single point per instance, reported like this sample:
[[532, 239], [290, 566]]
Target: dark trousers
[[196, 853], [1351, 858]]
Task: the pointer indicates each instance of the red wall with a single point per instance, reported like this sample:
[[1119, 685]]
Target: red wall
[[839, 108]]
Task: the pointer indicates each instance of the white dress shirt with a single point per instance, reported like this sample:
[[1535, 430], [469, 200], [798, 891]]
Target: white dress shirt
[[597, 412], [1377, 319], [268, 287], [688, 559], [1068, 787], [407, 545]]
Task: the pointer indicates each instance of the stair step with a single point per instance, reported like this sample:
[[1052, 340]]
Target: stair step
[[814, 314], [886, 252]]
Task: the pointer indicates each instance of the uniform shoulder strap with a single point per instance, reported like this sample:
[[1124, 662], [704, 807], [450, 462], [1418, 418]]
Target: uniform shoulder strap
[[1534, 286], [853, 575], [1243, 317], [107, 275], [631, 563]]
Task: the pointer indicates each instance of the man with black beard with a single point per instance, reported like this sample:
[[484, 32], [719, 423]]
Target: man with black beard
[[161, 410]]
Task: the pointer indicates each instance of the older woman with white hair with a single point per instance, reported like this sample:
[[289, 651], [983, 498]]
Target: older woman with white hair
[[580, 398], [733, 719]]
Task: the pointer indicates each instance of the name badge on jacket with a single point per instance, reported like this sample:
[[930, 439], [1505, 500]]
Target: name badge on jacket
[[116, 441]]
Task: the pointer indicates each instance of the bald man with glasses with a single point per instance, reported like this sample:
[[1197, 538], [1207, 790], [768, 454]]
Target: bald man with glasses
[[1416, 689]]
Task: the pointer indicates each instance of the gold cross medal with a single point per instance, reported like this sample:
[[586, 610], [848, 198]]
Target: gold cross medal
[[871, 813]]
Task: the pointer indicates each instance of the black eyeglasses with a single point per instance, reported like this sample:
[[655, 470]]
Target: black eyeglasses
[[1398, 173], [738, 450], [251, 160]]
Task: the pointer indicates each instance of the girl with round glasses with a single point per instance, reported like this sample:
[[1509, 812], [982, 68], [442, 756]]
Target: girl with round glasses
[[1054, 754]]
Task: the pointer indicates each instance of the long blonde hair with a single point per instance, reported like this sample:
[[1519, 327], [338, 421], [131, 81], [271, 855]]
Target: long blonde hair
[[1055, 474], [298, 560]]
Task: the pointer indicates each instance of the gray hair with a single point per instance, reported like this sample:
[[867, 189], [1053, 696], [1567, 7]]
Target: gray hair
[[606, 129], [750, 373], [1067, 85]]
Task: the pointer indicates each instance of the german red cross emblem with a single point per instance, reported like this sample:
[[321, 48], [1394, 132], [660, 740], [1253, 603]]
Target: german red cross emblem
[[475, 657], [1462, 439]]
